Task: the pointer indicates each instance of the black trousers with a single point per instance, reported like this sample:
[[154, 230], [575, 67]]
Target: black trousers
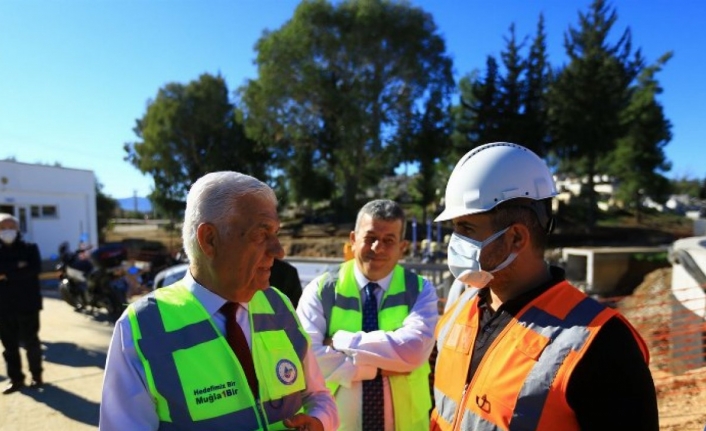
[[21, 330]]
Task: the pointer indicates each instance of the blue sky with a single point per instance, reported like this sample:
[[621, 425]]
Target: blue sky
[[76, 74]]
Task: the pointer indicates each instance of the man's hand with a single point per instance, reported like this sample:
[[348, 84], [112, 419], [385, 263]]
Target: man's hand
[[304, 422], [3, 277]]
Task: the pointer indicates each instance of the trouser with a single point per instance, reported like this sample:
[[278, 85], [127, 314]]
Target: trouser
[[21, 329]]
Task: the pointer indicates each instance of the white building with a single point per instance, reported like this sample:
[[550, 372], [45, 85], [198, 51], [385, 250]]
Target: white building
[[53, 204]]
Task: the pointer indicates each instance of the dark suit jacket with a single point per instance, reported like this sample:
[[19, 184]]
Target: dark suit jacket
[[285, 277], [20, 292]]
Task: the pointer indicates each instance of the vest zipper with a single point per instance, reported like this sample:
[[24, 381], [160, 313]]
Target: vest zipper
[[460, 410], [489, 352]]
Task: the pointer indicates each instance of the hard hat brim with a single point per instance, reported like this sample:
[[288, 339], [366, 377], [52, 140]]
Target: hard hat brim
[[452, 213]]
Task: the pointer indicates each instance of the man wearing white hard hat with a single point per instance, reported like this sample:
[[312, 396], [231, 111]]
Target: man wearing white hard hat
[[521, 348]]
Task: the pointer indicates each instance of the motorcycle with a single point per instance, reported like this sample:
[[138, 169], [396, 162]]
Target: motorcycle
[[94, 283]]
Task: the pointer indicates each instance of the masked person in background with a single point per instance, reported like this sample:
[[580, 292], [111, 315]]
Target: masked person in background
[[521, 348], [20, 304]]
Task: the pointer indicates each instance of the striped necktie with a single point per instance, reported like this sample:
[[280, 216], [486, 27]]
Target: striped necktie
[[373, 402]]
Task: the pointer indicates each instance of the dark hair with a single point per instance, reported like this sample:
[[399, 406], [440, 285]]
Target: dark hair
[[383, 209], [534, 215]]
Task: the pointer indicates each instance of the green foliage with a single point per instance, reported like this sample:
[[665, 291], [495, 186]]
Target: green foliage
[[639, 156], [188, 131], [589, 95], [661, 257], [538, 78], [508, 104], [349, 91], [105, 210], [485, 107], [340, 86], [689, 186]]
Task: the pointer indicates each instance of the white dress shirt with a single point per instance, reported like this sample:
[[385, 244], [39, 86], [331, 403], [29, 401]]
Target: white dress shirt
[[127, 403], [356, 356]]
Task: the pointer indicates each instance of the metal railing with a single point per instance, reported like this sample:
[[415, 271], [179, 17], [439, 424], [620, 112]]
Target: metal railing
[[437, 273]]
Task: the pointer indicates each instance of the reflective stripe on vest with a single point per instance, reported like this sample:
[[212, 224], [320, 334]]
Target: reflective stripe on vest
[[342, 308], [520, 382], [194, 376]]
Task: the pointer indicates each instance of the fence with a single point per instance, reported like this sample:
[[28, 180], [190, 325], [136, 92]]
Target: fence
[[676, 338]]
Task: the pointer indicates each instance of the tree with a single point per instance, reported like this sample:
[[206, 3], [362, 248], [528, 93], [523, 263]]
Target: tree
[[463, 118], [538, 78], [508, 104], [512, 90], [589, 95], [188, 131], [639, 157], [338, 86], [687, 185], [430, 140], [485, 107], [105, 210]]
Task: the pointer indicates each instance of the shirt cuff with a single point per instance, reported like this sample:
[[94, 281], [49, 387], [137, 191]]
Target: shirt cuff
[[342, 341]]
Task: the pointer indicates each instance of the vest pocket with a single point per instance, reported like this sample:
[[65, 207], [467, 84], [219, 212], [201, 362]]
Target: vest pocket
[[460, 338], [532, 344], [282, 371]]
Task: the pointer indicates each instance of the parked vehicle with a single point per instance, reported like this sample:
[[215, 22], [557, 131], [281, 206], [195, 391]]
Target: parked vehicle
[[170, 275], [94, 281]]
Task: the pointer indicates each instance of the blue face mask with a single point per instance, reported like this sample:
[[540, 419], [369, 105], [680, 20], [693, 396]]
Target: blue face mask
[[464, 259]]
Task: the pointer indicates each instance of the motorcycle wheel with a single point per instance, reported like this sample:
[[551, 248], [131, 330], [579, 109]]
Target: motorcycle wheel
[[72, 296]]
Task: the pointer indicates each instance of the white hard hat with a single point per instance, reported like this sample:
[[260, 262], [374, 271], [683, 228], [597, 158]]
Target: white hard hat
[[494, 173]]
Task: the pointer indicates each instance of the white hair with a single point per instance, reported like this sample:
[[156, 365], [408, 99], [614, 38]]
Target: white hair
[[213, 198], [6, 216]]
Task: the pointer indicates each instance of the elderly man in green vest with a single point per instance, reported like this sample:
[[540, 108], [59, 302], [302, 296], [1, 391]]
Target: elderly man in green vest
[[219, 349], [371, 324]]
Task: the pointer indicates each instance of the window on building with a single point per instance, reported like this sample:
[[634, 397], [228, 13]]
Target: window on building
[[44, 211]]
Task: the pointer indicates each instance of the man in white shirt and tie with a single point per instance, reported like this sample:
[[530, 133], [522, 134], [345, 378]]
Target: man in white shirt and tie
[[395, 356]]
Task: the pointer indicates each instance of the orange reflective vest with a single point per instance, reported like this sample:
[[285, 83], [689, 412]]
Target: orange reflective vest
[[521, 381]]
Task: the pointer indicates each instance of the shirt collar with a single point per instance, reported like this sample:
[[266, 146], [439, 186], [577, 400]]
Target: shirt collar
[[514, 305], [210, 301], [362, 280]]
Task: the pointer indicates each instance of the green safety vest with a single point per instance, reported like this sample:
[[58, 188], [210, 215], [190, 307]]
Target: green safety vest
[[196, 380], [341, 302]]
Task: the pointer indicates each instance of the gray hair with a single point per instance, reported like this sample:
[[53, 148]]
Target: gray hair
[[383, 209], [213, 198]]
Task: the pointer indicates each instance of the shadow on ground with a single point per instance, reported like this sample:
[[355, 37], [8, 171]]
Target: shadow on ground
[[72, 355], [100, 315], [68, 403]]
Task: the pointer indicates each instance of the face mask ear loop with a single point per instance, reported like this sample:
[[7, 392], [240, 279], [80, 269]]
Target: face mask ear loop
[[510, 258], [493, 237]]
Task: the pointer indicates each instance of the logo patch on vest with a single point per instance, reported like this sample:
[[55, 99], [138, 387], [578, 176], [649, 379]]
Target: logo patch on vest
[[286, 371]]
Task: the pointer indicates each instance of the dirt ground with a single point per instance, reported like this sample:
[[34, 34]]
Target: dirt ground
[[312, 241], [681, 397]]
